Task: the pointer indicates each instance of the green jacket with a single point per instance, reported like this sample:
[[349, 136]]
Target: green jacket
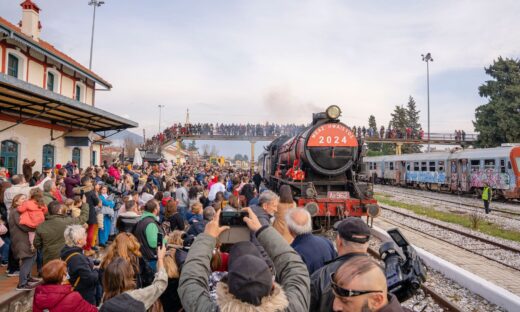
[[48, 198], [292, 274], [49, 235], [487, 193]]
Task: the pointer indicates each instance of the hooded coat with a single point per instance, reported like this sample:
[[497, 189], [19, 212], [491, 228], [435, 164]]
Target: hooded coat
[[59, 298], [79, 266]]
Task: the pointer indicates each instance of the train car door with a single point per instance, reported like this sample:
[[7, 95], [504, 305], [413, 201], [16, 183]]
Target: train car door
[[463, 175], [453, 175], [399, 168]]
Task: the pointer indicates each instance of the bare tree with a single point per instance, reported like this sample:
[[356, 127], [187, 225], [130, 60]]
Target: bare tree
[[214, 151], [129, 145]]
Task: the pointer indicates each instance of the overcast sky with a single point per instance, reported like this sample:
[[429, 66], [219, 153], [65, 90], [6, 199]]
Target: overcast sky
[[257, 61]]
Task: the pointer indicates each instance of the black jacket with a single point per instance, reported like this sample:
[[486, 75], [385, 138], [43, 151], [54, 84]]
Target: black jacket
[[79, 266], [321, 292], [170, 298], [92, 201], [176, 222]]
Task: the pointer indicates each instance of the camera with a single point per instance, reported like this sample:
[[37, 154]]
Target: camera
[[231, 218], [404, 276]]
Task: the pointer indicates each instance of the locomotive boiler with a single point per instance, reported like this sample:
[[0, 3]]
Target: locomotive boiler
[[321, 164]]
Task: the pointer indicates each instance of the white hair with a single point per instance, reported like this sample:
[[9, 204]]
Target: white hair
[[73, 233], [267, 197], [296, 228]]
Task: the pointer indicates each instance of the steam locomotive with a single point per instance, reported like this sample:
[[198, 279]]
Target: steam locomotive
[[327, 158]]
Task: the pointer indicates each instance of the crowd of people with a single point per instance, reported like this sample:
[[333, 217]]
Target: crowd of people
[[146, 238], [252, 130]]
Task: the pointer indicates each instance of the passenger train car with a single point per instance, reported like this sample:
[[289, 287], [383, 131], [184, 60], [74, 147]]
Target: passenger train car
[[463, 171]]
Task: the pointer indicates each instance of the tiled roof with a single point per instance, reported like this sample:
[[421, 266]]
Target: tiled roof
[[50, 48]]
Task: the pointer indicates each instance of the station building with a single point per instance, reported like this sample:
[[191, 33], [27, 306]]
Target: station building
[[47, 101]]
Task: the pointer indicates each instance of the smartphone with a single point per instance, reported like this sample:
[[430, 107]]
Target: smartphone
[[238, 230], [160, 240]]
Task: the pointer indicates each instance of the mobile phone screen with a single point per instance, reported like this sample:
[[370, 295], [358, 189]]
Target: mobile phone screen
[[159, 240]]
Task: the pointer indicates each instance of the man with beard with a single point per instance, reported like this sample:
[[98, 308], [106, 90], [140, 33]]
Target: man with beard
[[359, 285]]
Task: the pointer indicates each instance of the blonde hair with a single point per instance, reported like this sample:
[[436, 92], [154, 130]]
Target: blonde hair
[[125, 246], [172, 270], [175, 238]]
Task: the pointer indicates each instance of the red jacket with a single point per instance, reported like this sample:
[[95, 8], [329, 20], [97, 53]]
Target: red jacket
[[59, 298]]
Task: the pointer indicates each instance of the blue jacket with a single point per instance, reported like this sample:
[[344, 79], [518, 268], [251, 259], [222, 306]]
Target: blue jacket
[[314, 250]]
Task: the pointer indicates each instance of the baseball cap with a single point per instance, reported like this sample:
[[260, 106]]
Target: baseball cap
[[352, 226], [249, 277]]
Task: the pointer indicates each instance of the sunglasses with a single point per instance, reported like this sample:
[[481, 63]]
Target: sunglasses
[[342, 292]]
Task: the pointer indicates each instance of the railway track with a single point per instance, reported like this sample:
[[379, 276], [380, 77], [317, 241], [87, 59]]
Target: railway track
[[439, 299], [503, 211], [492, 245]]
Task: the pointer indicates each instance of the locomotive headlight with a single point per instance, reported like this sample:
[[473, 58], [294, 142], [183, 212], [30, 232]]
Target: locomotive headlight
[[333, 111]]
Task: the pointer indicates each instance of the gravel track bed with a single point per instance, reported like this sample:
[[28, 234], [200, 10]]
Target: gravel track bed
[[512, 206], [466, 300], [493, 252], [415, 197]]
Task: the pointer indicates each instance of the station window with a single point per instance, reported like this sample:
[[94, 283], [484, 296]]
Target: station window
[[12, 65], [489, 164], [432, 166], [9, 156], [93, 159], [50, 81], [475, 165], [76, 155], [423, 166], [78, 93], [416, 166], [441, 165], [48, 156], [502, 166], [391, 165]]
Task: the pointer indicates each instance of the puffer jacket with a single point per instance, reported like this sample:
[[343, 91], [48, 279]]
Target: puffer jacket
[[79, 266], [32, 214], [49, 235], [292, 293], [59, 298]]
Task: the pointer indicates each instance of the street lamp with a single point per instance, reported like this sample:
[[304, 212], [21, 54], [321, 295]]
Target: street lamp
[[428, 58], [160, 111], [95, 4]]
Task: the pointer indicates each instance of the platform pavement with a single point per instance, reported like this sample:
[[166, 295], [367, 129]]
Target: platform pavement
[[12, 300], [496, 273]]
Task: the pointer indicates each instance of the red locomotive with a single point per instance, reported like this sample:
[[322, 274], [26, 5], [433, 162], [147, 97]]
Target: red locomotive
[[321, 164]]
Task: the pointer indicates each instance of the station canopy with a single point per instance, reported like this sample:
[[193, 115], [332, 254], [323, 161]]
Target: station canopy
[[24, 102]]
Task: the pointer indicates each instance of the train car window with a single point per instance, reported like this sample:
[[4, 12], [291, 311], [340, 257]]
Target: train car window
[[432, 166], [423, 166], [416, 166], [475, 165], [502, 166], [407, 166], [517, 164], [391, 165], [489, 164], [441, 165]]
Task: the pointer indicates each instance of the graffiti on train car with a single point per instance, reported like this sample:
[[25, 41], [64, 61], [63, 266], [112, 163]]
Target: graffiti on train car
[[494, 179], [425, 177]]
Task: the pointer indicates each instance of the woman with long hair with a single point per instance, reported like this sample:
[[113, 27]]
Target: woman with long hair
[[120, 288], [125, 246], [286, 202]]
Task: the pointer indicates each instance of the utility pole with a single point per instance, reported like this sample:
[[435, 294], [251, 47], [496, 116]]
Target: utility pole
[[95, 4], [160, 113], [428, 58]]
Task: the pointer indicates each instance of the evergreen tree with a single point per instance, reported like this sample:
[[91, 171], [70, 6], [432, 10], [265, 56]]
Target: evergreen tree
[[193, 146], [373, 125], [399, 119], [388, 149], [498, 121], [412, 119]]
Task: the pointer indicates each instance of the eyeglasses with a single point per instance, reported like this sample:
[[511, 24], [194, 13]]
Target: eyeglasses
[[342, 292]]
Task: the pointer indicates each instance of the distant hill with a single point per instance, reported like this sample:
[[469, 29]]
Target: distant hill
[[119, 139]]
